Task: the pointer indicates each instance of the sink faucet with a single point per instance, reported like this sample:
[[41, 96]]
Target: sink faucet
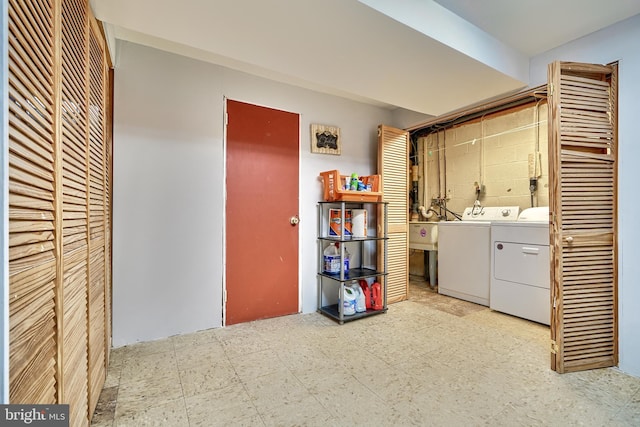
[[441, 204]]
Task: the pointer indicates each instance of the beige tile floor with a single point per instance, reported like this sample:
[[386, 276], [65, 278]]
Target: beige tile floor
[[431, 360]]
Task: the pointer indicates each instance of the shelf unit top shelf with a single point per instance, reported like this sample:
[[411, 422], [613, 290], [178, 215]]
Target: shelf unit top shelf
[[351, 239], [353, 274], [352, 202]]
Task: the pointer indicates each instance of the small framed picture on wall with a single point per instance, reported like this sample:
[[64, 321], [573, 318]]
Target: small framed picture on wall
[[325, 139]]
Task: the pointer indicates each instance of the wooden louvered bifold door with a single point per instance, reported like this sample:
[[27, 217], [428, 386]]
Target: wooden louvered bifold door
[[583, 200], [59, 205], [32, 257], [393, 164], [97, 217], [108, 139], [75, 222]]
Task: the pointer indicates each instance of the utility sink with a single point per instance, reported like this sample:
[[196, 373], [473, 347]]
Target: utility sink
[[423, 235]]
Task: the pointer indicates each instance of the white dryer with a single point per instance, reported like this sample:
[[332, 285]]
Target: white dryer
[[464, 252], [520, 269]]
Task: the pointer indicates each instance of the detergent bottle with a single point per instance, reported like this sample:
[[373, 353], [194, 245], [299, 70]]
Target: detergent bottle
[[360, 301], [366, 292], [376, 295], [348, 301]]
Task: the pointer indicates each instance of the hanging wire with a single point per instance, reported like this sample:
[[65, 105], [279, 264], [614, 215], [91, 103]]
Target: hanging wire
[[509, 131]]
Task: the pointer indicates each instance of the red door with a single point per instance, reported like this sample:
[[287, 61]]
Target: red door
[[262, 197]]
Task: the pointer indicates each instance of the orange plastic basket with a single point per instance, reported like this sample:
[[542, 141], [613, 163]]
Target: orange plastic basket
[[333, 188]]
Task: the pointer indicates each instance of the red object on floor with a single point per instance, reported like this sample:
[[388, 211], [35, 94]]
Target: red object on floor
[[376, 291]]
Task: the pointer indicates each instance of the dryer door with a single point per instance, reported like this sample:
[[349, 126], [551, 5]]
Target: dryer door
[[522, 263]]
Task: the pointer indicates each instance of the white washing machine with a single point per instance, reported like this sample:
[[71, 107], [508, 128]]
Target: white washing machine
[[520, 270], [464, 252]]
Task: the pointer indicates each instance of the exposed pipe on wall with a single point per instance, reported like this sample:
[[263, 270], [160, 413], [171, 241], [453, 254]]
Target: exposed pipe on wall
[[439, 166], [469, 113], [425, 180], [444, 168]]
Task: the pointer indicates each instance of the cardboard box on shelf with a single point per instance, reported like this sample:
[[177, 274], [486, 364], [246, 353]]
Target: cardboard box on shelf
[[335, 223]]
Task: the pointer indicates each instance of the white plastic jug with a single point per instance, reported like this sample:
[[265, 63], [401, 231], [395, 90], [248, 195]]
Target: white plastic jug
[[360, 298], [348, 301], [331, 259], [347, 257]]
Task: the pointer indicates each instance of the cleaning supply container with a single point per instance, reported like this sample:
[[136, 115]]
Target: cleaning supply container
[[360, 300], [331, 262], [347, 257], [348, 301], [366, 292], [376, 296]]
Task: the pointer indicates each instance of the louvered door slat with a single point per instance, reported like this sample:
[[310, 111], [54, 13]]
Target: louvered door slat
[[74, 162], [33, 30], [37, 48], [41, 12], [584, 83], [29, 70], [393, 163], [29, 206], [582, 155], [30, 173], [72, 132], [25, 116], [23, 148], [26, 136], [21, 95], [30, 223], [398, 270], [24, 189]]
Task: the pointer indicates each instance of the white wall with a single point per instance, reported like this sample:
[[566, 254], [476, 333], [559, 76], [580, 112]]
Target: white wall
[[617, 43], [168, 196]]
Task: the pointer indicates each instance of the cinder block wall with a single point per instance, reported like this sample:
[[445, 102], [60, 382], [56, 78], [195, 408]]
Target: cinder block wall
[[492, 152]]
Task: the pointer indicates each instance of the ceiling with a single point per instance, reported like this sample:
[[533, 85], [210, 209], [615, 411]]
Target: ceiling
[[426, 56], [535, 26]]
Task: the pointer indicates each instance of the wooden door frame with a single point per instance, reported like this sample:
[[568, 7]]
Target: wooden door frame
[[225, 116]]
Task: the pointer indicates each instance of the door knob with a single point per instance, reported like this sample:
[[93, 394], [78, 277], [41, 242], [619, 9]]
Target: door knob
[[568, 239], [294, 220]]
